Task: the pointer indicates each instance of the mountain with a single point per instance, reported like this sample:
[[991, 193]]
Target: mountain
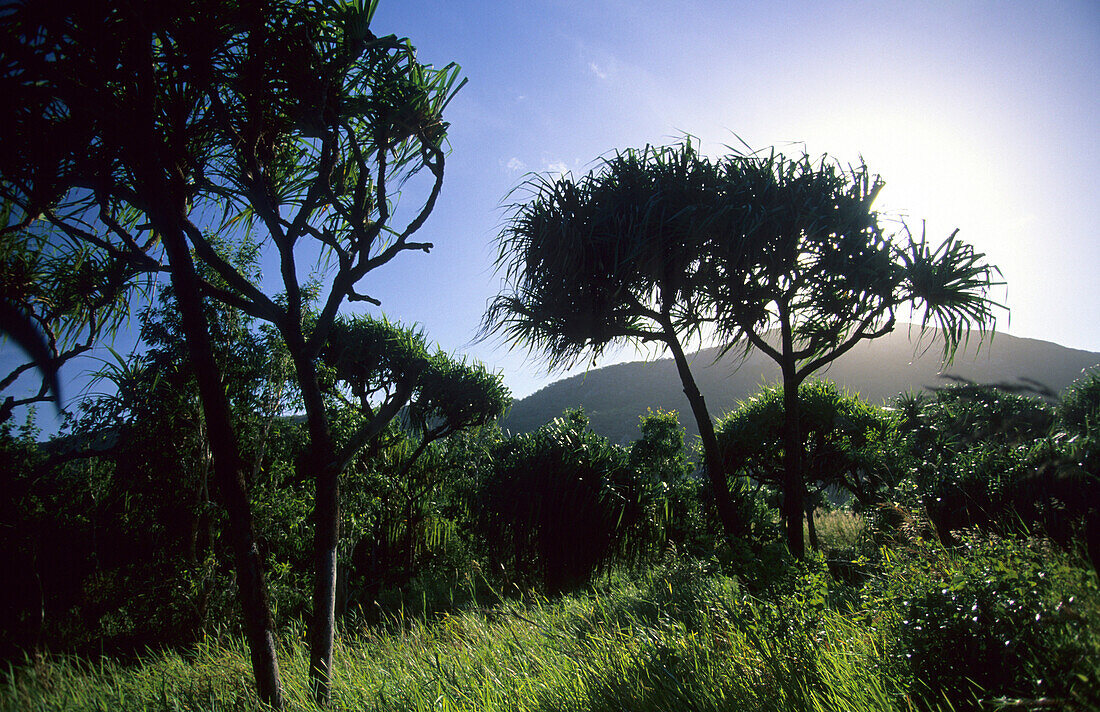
[[615, 396]]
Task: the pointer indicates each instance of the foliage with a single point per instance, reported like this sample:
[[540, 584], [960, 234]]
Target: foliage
[[396, 484], [408, 521], [594, 261], [119, 524], [612, 258], [678, 511], [1078, 415], [372, 357], [807, 271], [453, 395], [58, 297], [999, 617], [171, 124], [681, 638], [961, 416], [1079, 405], [841, 531], [848, 444], [558, 504], [659, 452], [999, 461]]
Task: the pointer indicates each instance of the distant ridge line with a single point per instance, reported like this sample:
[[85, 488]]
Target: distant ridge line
[[615, 396]]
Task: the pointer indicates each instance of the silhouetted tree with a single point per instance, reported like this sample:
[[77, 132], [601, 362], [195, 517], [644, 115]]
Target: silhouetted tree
[[810, 264], [144, 127], [659, 243], [105, 102], [615, 257]]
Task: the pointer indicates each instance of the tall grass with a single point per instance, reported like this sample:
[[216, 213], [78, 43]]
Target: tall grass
[[840, 529], [667, 642]]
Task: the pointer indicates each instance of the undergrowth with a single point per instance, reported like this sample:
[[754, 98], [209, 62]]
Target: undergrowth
[[682, 636]]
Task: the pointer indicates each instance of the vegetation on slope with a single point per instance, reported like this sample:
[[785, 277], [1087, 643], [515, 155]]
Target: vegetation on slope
[[614, 396]]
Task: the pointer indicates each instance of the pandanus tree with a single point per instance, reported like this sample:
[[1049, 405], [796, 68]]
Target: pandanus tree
[[104, 144], [660, 245], [142, 129], [385, 371], [809, 271], [410, 399], [616, 257]]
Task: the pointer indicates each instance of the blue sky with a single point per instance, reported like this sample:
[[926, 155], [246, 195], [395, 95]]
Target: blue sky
[[979, 115]]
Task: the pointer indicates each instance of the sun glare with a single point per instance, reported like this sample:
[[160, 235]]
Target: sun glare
[[934, 171]]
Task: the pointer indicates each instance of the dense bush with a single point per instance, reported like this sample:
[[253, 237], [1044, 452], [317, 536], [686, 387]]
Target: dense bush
[[849, 444], [1003, 462], [1079, 408], [559, 503], [998, 617], [408, 530]]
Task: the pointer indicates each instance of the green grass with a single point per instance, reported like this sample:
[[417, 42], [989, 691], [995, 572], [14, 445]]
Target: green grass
[[681, 636], [628, 646], [839, 529]]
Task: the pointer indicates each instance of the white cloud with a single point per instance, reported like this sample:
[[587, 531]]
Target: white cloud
[[514, 165], [595, 69], [557, 167]]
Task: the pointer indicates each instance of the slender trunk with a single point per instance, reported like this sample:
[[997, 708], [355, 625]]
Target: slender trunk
[[732, 525], [811, 528], [793, 497], [327, 465], [323, 625], [793, 488], [321, 461], [228, 471]]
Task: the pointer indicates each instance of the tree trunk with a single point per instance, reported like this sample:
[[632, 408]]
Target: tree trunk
[[327, 465], [323, 624], [732, 525], [321, 461], [811, 528], [228, 471], [793, 497]]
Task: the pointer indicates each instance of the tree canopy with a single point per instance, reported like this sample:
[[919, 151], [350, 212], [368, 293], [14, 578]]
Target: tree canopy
[[757, 250], [147, 130]]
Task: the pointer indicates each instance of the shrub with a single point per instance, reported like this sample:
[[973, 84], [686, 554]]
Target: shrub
[[560, 505], [997, 617]]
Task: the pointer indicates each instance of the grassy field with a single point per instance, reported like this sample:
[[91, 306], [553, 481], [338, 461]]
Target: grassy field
[[675, 640], [681, 636]]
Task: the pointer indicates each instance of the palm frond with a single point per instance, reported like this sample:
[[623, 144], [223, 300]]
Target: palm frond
[[951, 284]]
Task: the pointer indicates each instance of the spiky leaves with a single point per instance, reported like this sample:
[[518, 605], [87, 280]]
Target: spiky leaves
[[600, 260], [454, 395], [619, 255], [58, 297], [810, 271], [809, 255], [387, 367], [784, 255], [950, 284]]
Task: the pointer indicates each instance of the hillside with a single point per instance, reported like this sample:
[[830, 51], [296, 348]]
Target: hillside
[[615, 396]]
